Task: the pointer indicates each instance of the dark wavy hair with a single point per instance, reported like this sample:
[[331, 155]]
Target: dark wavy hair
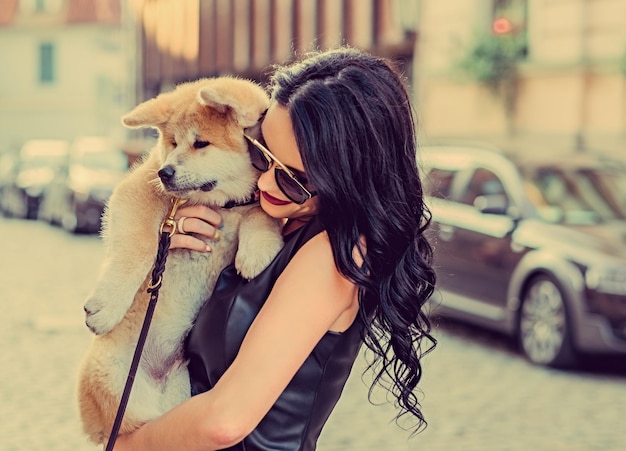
[[355, 129]]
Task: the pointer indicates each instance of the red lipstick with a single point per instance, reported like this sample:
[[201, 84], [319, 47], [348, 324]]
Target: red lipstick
[[272, 200]]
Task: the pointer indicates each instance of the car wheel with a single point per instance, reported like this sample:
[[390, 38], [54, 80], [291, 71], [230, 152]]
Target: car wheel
[[16, 205], [544, 326], [69, 220], [44, 213]]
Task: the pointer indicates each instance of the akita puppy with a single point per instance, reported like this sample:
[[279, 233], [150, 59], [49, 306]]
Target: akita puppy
[[201, 156]]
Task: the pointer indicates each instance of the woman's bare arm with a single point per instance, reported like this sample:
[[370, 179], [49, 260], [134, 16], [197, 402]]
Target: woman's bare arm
[[309, 298]]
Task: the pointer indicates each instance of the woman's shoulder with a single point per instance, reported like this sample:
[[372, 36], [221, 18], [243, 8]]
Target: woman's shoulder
[[315, 260], [314, 241], [314, 267], [315, 244]]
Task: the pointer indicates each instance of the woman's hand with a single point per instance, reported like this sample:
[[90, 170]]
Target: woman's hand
[[197, 219]]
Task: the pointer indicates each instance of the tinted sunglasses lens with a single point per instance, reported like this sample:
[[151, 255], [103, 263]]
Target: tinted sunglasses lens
[[289, 187], [258, 158]]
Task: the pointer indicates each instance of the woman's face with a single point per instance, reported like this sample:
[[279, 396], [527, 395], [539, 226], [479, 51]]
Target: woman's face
[[278, 135]]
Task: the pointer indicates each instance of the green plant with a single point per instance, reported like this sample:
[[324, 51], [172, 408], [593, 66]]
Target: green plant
[[492, 60]]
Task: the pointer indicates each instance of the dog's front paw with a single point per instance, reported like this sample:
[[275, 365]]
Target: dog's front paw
[[101, 317], [251, 262]]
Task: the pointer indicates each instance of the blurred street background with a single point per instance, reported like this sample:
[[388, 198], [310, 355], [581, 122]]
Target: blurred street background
[[479, 394], [521, 108]]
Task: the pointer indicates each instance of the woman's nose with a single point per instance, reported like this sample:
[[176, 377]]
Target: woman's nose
[[267, 181]]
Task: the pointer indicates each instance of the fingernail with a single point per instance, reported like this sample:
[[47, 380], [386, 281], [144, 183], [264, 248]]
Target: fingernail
[[221, 226], [208, 248], [217, 235]]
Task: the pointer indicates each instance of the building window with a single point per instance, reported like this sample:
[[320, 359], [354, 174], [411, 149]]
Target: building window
[[46, 63], [43, 7]]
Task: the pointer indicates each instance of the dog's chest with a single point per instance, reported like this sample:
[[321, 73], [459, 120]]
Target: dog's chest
[[190, 276]]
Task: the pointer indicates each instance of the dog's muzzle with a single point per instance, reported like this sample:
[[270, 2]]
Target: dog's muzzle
[[208, 186], [167, 174]]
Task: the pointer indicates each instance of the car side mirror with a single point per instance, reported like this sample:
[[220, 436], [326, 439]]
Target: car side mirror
[[492, 204]]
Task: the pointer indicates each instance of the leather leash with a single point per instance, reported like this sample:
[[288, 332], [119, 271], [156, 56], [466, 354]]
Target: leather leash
[[153, 290]]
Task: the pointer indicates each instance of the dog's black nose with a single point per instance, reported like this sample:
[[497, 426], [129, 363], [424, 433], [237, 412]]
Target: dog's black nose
[[167, 173]]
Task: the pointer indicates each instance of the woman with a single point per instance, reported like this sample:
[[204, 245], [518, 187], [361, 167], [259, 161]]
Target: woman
[[269, 357]]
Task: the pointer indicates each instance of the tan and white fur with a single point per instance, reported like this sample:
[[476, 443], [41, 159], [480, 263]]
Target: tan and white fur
[[201, 156]]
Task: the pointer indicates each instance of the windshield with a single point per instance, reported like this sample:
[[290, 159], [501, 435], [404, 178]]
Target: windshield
[[43, 161], [578, 195], [106, 160]]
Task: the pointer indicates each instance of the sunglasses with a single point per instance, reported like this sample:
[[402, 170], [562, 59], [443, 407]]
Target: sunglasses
[[286, 180]]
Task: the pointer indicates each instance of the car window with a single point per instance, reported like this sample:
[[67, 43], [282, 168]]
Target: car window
[[578, 196], [439, 183], [483, 183]]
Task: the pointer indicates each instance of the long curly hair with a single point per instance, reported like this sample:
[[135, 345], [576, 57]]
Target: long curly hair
[[355, 129]]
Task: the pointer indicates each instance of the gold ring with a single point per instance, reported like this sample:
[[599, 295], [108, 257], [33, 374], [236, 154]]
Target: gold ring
[[181, 222]]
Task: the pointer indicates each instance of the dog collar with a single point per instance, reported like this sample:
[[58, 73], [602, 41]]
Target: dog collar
[[254, 198]]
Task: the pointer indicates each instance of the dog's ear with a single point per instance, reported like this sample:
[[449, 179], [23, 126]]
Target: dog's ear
[[244, 99], [151, 113]]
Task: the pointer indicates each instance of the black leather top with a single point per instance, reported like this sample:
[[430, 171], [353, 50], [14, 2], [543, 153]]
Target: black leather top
[[296, 419]]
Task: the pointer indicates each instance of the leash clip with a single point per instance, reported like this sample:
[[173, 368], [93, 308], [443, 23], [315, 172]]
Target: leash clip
[[170, 220]]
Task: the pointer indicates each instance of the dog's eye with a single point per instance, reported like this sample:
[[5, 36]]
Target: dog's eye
[[200, 144]]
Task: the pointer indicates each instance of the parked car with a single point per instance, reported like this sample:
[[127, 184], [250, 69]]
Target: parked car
[[532, 247], [8, 169], [77, 197], [39, 161]]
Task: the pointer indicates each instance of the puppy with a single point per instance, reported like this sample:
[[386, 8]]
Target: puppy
[[200, 156]]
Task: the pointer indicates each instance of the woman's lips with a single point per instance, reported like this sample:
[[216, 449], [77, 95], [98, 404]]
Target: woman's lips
[[272, 200]]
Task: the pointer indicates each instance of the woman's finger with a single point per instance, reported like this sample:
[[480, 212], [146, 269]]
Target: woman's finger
[[202, 212], [195, 225], [192, 221], [180, 241]]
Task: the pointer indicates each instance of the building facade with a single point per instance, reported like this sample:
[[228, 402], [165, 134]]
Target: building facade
[[73, 67], [65, 69], [570, 86], [186, 39]]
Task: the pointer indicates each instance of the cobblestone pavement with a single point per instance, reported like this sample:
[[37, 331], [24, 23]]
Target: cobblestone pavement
[[477, 395]]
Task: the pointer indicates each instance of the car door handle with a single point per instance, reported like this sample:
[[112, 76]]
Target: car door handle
[[446, 232]]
